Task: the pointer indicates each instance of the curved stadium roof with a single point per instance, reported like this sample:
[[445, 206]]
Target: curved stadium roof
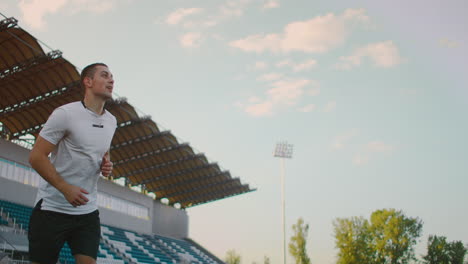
[[33, 83]]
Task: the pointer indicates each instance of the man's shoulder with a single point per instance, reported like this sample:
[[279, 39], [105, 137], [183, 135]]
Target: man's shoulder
[[110, 116], [70, 106]]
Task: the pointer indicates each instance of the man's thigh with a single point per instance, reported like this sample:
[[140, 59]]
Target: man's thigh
[[85, 237], [82, 259], [47, 234]]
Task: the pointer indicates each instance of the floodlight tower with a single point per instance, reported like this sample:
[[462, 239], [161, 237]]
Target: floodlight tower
[[283, 151]]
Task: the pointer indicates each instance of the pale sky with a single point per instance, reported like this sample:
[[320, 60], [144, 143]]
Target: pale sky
[[373, 95]]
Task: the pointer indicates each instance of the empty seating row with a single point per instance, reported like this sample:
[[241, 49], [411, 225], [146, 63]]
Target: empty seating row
[[131, 249], [19, 213], [186, 250]]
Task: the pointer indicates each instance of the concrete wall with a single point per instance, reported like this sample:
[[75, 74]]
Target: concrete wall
[[13, 152], [169, 222], [17, 192], [164, 220]]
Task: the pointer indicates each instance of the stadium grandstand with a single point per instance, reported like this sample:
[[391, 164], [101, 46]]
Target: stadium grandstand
[[156, 177]]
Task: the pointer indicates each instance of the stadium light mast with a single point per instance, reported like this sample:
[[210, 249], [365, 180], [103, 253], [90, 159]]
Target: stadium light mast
[[283, 151]]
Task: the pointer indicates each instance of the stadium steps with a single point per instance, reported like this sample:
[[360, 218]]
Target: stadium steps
[[163, 247], [108, 256], [117, 238], [187, 251], [149, 248], [4, 220], [205, 251], [17, 215], [134, 246], [115, 252]]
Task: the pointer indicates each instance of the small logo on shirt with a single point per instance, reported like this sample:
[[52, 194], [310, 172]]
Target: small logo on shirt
[[99, 126]]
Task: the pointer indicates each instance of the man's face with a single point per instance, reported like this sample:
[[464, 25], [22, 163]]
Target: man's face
[[102, 83]]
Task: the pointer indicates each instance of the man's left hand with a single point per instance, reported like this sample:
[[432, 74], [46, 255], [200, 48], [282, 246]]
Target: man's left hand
[[106, 166]]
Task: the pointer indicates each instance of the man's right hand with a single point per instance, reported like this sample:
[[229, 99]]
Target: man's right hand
[[74, 195]]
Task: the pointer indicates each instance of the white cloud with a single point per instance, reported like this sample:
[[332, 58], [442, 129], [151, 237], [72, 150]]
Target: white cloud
[[271, 4], [316, 35], [305, 65], [340, 141], [191, 39], [33, 11], [177, 16], [314, 91], [92, 6], [260, 109], [448, 43], [260, 65], [370, 150], [329, 107], [360, 159], [379, 146], [283, 93], [233, 8], [270, 77], [308, 108], [287, 91], [284, 63], [382, 54], [297, 67]]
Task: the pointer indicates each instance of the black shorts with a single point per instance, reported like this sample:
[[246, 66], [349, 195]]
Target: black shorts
[[48, 232]]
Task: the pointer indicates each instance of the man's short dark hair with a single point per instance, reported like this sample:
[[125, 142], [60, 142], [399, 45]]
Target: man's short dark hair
[[89, 71]]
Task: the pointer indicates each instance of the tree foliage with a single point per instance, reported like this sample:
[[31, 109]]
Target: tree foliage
[[394, 236], [354, 241], [388, 238], [297, 245], [439, 251], [232, 257]]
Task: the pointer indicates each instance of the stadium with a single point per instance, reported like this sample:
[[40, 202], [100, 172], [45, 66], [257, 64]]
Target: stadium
[[156, 178]]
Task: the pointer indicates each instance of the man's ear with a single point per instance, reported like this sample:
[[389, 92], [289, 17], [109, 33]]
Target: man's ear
[[87, 81]]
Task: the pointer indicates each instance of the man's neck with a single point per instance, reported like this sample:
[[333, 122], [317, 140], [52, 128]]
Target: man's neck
[[94, 104]]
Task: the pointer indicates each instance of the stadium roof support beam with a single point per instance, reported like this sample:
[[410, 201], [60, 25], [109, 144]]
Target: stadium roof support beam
[[43, 97], [198, 179], [148, 154], [140, 139], [8, 23], [212, 195], [181, 172], [175, 194], [30, 63], [161, 165]]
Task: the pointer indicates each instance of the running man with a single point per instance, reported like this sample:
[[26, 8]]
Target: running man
[[78, 137]]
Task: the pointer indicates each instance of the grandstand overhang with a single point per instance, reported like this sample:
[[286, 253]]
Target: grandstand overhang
[[34, 82]]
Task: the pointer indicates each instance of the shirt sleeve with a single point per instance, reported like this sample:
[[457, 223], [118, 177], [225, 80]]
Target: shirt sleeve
[[56, 126]]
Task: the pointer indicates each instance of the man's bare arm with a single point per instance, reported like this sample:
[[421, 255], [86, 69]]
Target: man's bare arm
[[106, 165], [39, 160]]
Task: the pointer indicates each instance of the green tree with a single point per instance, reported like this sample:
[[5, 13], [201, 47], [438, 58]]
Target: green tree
[[266, 260], [297, 245], [353, 240], [232, 257], [394, 236], [457, 252], [388, 238], [439, 251]]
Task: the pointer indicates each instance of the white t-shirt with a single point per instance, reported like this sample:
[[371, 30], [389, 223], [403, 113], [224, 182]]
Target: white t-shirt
[[82, 138]]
